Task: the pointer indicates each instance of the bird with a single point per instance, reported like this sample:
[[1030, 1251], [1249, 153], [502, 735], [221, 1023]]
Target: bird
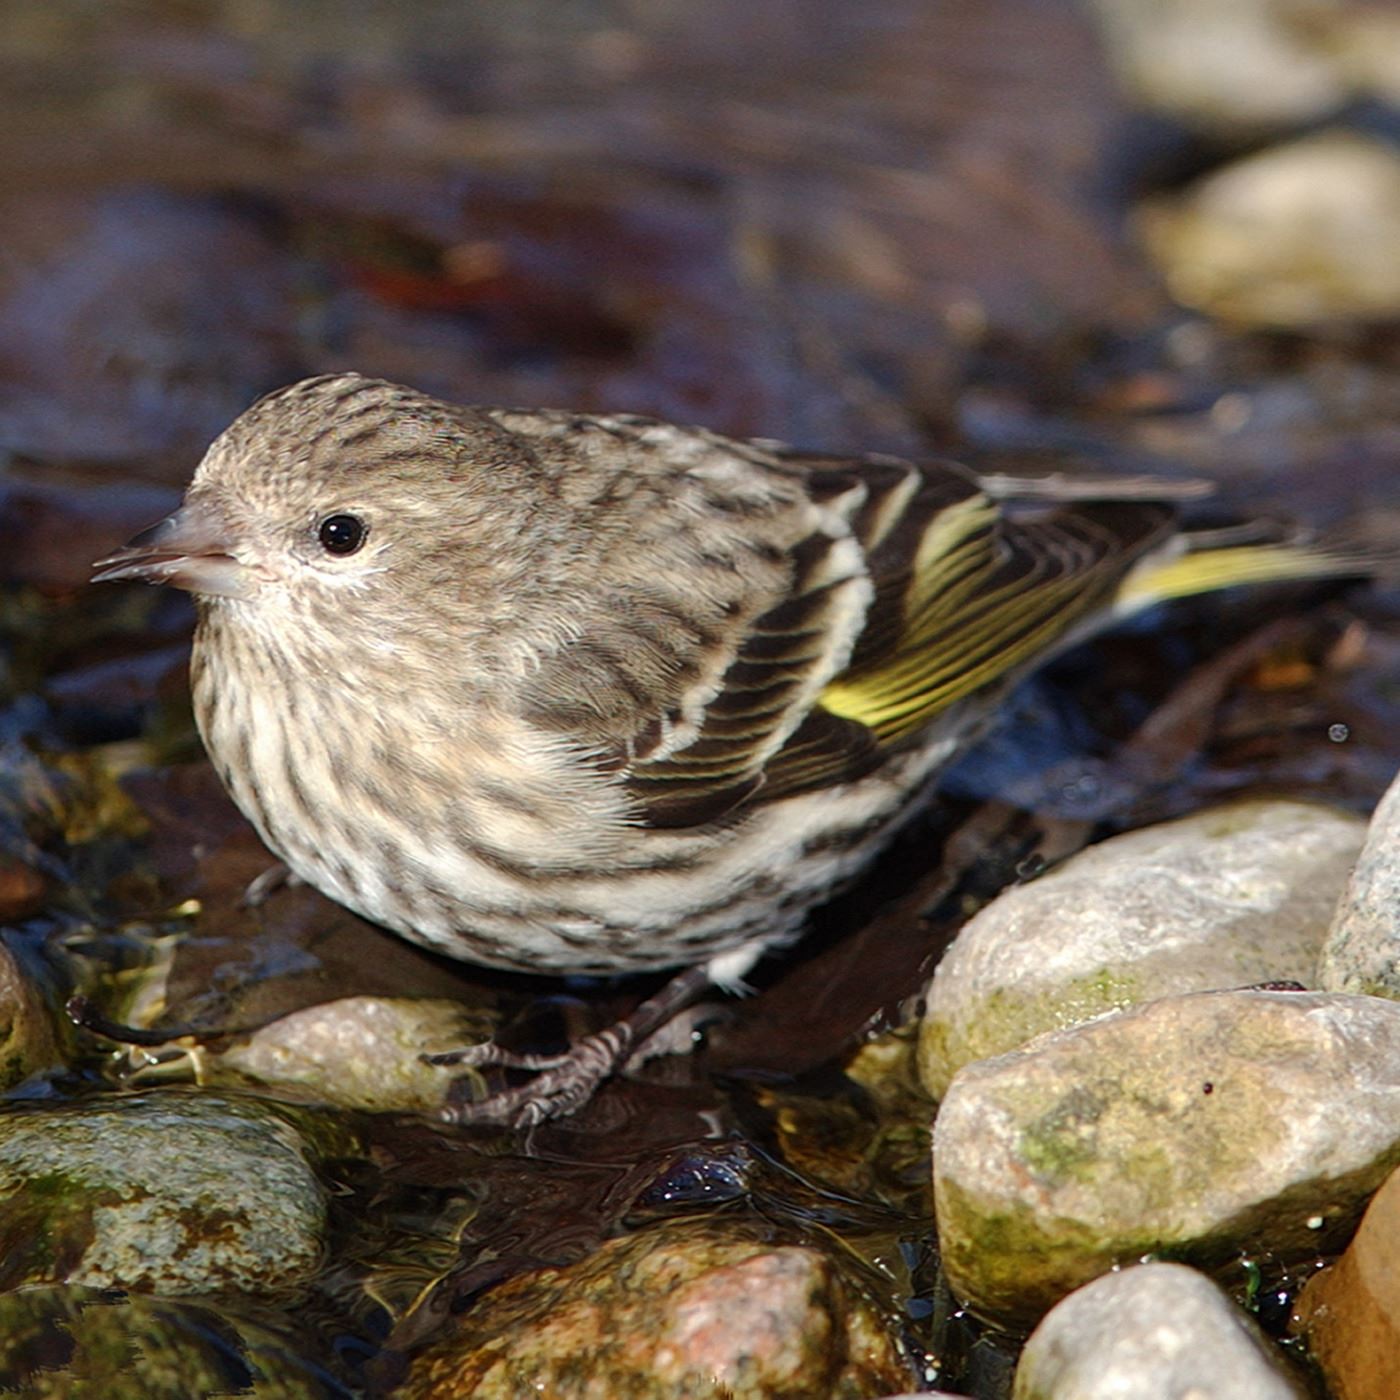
[[572, 693]]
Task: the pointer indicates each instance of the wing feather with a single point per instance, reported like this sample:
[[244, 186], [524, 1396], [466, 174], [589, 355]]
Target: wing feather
[[768, 623], [963, 595], [767, 693], [983, 606]]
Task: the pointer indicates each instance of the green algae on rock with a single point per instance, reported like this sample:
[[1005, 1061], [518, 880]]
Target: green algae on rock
[[1193, 1126], [1228, 897], [167, 1192]]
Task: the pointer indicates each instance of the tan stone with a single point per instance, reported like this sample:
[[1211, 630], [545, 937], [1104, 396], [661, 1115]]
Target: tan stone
[[697, 1309], [1350, 1314], [1198, 1126]]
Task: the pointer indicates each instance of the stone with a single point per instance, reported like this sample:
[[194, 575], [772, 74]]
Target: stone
[[1362, 950], [1350, 1314], [1145, 1332], [1294, 237], [700, 1309], [1240, 67], [362, 1052], [1199, 1126], [1230, 897], [167, 1192], [27, 1040]]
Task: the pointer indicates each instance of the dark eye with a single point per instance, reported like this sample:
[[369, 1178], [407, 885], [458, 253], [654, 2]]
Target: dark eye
[[341, 534]]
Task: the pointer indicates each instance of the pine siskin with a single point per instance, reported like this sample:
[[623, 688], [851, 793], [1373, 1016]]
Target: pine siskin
[[572, 694]]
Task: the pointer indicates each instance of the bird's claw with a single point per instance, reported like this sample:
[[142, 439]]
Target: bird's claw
[[261, 887], [488, 1055], [562, 1083]]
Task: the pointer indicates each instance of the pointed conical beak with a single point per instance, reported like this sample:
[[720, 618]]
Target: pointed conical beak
[[191, 549]]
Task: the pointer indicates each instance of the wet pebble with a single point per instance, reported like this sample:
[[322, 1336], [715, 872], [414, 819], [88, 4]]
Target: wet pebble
[[169, 1192], [27, 1039], [22, 889], [81, 1342], [1300, 235], [359, 1052], [1350, 1314], [1201, 1125], [698, 1309], [703, 1175], [1362, 949], [1233, 67], [1150, 1331], [1225, 898], [926, 1395]]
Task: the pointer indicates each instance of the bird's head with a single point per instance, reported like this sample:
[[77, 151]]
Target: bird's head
[[343, 501]]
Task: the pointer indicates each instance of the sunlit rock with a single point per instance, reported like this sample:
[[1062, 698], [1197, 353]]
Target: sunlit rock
[[1224, 898], [1296, 236], [1362, 950], [168, 1192], [682, 1309], [1145, 1333], [1198, 1125], [359, 1052], [1238, 67]]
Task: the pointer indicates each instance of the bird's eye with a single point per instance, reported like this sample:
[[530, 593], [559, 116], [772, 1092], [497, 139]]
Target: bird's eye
[[341, 534]]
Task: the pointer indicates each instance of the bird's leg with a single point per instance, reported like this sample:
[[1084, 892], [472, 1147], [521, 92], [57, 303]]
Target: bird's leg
[[260, 887], [564, 1083]]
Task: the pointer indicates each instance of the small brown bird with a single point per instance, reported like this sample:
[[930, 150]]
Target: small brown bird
[[573, 694]]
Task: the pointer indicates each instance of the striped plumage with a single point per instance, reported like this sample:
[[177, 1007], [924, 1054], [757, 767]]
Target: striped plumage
[[601, 694]]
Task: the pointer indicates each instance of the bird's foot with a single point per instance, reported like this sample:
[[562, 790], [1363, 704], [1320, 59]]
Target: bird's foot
[[261, 887], [563, 1084]]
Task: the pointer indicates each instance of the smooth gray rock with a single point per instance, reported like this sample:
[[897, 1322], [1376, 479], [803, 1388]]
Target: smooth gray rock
[[1225, 898], [1146, 1333], [1362, 949], [1195, 1125]]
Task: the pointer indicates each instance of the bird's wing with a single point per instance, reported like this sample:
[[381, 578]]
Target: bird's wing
[[765, 623], [982, 602], [710, 591], [964, 594], [767, 695]]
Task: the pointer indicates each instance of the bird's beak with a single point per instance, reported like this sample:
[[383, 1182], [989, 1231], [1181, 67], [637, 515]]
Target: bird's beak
[[191, 549]]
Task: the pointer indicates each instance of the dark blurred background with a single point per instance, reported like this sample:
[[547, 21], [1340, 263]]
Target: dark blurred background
[[897, 225]]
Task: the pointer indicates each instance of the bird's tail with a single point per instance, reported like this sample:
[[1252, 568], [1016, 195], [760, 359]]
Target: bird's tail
[[1203, 561]]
